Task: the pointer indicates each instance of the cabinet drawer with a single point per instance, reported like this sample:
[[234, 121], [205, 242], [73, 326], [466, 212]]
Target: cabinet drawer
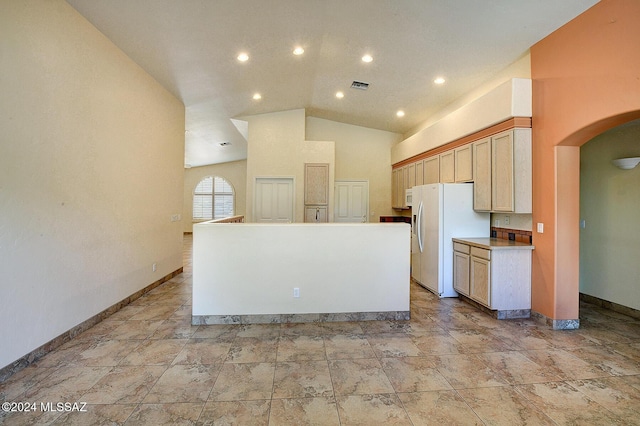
[[462, 248], [481, 253]]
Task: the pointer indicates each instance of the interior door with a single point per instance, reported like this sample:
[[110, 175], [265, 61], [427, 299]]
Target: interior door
[[274, 200], [351, 201]]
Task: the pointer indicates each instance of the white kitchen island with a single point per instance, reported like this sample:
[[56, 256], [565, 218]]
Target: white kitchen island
[[252, 272]]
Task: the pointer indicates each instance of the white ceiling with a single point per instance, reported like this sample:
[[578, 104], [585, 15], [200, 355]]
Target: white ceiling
[[190, 47]]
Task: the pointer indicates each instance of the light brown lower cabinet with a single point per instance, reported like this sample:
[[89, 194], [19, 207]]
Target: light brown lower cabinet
[[495, 274]]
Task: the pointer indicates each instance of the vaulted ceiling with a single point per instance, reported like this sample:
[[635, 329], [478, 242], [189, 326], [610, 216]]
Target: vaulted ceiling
[[191, 47]]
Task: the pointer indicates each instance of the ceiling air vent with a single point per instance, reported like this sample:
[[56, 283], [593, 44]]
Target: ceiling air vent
[[359, 85], [224, 143]]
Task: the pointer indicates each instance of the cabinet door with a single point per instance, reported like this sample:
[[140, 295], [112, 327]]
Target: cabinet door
[[400, 193], [464, 163], [316, 184], [502, 172], [482, 175], [461, 272], [431, 169], [315, 214], [447, 167], [394, 188], [480, 289], [419, 173], [411, 175]]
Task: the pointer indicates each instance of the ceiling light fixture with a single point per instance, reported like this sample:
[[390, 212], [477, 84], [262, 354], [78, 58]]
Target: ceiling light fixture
[[257, 96], [339, 95], [439, 80], [298, 51], [367, 58], [400, 113], [243, 57]]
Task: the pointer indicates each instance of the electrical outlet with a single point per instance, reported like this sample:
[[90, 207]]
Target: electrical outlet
[[507, 220], [296, 292], [540, 228], [153, 267], [496, 222]]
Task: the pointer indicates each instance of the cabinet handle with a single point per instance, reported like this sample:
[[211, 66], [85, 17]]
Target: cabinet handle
[[317, 213]]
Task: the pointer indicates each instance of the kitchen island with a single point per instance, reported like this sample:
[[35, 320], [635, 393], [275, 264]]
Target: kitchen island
[[300, 272]]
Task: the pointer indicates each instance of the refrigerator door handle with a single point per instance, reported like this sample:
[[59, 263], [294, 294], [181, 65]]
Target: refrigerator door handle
[[419, 219]]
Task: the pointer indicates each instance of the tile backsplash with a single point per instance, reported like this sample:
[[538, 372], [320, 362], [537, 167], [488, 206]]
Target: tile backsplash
[[511, 234]]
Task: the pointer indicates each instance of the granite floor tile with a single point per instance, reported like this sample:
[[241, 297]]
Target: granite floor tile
[[104, 353], [259, 330], [165, 414], [124, 385], [434, 343], [516, 368], [302, 379], [475, 340], [393, 345], [376, 409], [565, 405], [414, 374], [467, 371], [304, 411], [175, 329], [22, 381], [155, 312], [203, 351], [134, 330], [254, 413], [97, 415], [226, 332], [253, 349], [614, 394], [503, 406], [66, 384], [155, 352], [564, 364], [438, 408], [358, 377], [607, 360], [347, 346], [184, 383], [244, 381], [301, 348]]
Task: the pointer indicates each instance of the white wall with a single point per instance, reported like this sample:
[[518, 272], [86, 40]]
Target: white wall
[[610, 205], [361, 154], [235, 172], [91, 171], [252, 269]]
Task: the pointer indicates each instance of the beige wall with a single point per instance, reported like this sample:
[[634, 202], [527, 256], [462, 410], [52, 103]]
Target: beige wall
[[610, 206], [361, 154], [91, 172], [235, 172]]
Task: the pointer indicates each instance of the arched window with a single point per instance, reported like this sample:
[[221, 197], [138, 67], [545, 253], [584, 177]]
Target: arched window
[[213, 198]]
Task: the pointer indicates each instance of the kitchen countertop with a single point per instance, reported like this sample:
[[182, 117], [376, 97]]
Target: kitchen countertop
[[494, 243]]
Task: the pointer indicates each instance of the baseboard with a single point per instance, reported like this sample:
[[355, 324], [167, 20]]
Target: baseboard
[[556, 324], [621, 309], [41, 351]]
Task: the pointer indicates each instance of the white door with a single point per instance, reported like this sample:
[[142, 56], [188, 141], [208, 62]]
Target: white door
[[351, 201], [274, 200]]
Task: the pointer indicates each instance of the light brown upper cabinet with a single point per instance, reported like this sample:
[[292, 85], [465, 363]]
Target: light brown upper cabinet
[[502, 172], [482, 175], [420, 173], [447, 167], [511, 171], [463, 163], [411, 175], [431, 170]]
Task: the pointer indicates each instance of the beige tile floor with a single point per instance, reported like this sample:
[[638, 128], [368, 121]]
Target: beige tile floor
[[450, 364]]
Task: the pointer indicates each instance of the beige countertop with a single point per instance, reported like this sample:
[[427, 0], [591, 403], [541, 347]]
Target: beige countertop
[[494, 243]]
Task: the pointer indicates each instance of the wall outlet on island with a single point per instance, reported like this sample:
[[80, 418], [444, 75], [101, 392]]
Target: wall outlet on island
[[296, 292], [154, 267]]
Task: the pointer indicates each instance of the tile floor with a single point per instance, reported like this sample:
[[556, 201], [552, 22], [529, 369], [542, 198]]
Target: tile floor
[[450, 364]]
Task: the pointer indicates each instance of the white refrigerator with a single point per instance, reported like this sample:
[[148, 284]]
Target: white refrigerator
[[440, 212]]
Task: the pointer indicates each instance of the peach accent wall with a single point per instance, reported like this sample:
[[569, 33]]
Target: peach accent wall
[[586, 79]]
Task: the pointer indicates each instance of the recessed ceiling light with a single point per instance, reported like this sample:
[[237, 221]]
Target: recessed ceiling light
[[367, 58], [243, 57], [339, 95], [257, 96], [298, 51], [400, 113], [439, 80]]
